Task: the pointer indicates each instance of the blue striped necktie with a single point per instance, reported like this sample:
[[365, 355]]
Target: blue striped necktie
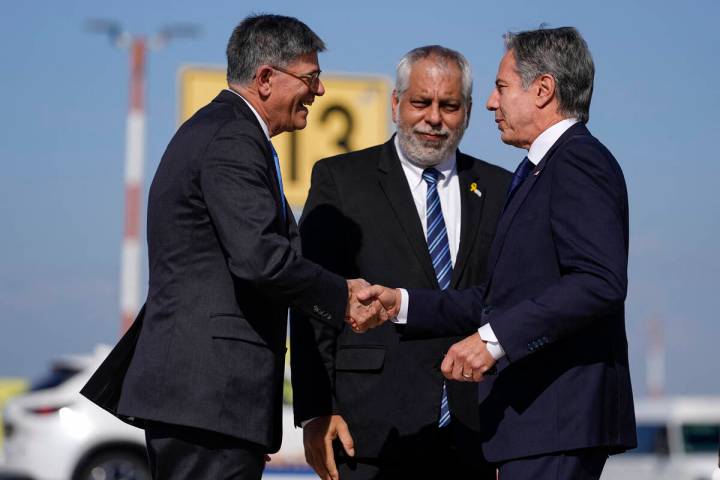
[[439, 248], [276, 159]]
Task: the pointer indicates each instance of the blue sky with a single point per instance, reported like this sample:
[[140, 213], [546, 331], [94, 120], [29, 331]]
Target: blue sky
[[62, 136]]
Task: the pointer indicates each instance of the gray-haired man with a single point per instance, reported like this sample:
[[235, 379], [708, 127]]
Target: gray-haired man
[[551, 317], [202, 369], [413, 211]]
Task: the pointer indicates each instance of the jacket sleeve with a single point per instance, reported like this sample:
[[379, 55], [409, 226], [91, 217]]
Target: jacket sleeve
[[443, 313], [313, 345], [588, 219], [236, 185]]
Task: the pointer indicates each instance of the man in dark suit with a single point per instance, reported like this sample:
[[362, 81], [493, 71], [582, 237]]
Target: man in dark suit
[[201, 370], [370, 214], [551, 314]]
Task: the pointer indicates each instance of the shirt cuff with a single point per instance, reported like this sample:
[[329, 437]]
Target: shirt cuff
[[488, 336], [401, 318]]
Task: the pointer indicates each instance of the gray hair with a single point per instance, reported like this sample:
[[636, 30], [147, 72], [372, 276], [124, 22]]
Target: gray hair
[[562, 53], [267, 39], [440, 54]]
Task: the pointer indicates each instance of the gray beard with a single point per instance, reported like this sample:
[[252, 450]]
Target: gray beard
[[424, 154]]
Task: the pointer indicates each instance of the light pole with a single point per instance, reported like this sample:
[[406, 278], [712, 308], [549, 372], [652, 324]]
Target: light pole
[[655, 359], [135, 152]]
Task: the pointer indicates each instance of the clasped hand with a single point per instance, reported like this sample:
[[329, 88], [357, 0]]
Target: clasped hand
[[467, 360], [370, 306]]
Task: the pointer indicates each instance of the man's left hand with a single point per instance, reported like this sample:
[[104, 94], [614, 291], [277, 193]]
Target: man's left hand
[[467, 360], [318, 436]]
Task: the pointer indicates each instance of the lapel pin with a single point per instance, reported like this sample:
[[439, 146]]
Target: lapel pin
[[537, 172], [474, 189]]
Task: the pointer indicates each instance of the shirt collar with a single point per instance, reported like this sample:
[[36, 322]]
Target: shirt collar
[[547, 139], [257, 115], [414, 172]]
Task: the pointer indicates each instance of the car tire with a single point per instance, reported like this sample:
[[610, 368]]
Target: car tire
[[114, 465]]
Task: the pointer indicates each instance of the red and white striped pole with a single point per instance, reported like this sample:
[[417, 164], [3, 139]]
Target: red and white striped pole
[[134, 164], [135, 152]]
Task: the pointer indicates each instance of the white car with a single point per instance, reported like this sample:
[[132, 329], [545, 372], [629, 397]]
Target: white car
[[54, 433], [677, 440]]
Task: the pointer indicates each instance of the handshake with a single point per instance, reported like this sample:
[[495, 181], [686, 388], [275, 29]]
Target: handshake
[[370, 306]]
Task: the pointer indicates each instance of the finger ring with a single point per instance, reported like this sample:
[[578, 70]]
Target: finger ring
[[467, 375]]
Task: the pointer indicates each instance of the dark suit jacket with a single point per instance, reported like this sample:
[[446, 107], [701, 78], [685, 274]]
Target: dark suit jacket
[[360, 221], [224, 266], [555, 299]]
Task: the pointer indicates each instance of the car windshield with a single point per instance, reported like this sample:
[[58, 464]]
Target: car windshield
[[652, 439], [701, 438], [53, 378]]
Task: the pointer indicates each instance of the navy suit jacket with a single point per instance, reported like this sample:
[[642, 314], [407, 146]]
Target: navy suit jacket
[[555, 299]]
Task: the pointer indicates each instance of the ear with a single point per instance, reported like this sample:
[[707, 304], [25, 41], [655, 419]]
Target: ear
[[395, 100], [263, 79], [545, 85], [469, 111]]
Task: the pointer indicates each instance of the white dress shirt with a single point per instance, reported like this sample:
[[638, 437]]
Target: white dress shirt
[[547, 139], [448, 188], [540, 146]]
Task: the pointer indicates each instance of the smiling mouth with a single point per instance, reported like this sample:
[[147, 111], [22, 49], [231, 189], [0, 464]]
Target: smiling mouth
[[433, 137]]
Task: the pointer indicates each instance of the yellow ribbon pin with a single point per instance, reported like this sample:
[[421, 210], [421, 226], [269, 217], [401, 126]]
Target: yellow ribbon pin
[[474, 189]]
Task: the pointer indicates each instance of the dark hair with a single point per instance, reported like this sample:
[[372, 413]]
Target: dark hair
[[562, 53], [267, 39]]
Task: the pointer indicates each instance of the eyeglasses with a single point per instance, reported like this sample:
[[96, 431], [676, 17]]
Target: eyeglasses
[[312, 80]]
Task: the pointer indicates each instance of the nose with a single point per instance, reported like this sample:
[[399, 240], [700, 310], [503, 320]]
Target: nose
[[432, 115], [492, 101], [320, 90]]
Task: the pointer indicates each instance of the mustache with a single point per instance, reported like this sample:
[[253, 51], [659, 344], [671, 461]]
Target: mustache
[[432, 131]]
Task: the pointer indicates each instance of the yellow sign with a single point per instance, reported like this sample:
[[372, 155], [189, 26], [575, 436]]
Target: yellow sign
[[9, 387], [354, 113]]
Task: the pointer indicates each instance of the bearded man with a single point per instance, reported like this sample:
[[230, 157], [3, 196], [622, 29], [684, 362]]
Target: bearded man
[[412, 212]]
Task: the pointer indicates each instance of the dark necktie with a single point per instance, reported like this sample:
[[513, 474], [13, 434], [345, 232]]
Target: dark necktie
[[439, 248], [276, 159], [521, 173]]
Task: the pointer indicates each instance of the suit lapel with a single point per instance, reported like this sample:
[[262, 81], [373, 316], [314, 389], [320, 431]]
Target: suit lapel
[[472, 200], [522, 192], [395, 186]]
